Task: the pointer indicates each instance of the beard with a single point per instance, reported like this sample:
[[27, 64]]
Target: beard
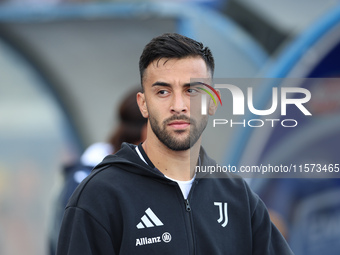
[[171, 141]]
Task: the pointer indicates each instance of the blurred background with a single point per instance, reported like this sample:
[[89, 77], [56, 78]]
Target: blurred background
[[65, 65]]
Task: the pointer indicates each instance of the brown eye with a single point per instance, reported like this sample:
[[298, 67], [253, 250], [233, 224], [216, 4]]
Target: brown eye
[[192, 91], [163, 92]]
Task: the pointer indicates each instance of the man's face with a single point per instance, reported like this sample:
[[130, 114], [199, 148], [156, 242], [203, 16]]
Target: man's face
[[168, 95]]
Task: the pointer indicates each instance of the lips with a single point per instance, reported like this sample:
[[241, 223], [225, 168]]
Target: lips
[[179, 124]]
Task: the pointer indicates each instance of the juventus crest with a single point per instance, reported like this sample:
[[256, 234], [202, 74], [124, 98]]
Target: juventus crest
[[223, 209]]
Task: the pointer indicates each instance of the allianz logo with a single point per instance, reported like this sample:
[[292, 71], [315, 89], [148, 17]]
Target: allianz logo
[[166, 238]]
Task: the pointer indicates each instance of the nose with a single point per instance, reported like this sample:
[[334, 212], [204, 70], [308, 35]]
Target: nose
[[179, 104]]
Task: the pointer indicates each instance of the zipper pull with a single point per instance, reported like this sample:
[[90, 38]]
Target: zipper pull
[[187, 205]]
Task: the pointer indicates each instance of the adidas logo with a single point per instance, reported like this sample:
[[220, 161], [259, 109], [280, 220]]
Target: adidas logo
[[149, 220]]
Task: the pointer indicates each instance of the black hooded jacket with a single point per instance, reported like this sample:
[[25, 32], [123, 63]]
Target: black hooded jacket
[[128, 207]]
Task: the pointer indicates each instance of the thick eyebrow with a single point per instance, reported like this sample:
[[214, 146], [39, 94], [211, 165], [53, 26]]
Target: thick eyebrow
[[165, 84], [160, 83], [197, 83]]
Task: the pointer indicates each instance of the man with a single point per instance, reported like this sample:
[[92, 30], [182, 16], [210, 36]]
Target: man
[[147, 199]]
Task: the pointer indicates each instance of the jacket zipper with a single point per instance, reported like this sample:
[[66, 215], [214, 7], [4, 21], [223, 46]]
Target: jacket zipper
[[190, 226], [187, 205], [188, 219]]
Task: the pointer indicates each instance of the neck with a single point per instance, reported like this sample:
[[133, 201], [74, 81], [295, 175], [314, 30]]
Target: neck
[[178, 165]]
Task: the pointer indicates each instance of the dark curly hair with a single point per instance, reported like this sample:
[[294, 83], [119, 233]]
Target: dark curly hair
[[172, 45]]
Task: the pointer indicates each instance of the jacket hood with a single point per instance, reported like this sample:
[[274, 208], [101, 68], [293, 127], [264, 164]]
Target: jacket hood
[[128, 159]]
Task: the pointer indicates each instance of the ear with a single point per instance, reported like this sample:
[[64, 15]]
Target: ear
[[212, 107], [142, 104]]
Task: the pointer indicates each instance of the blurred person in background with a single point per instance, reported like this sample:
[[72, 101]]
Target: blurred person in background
[[131, 129]]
